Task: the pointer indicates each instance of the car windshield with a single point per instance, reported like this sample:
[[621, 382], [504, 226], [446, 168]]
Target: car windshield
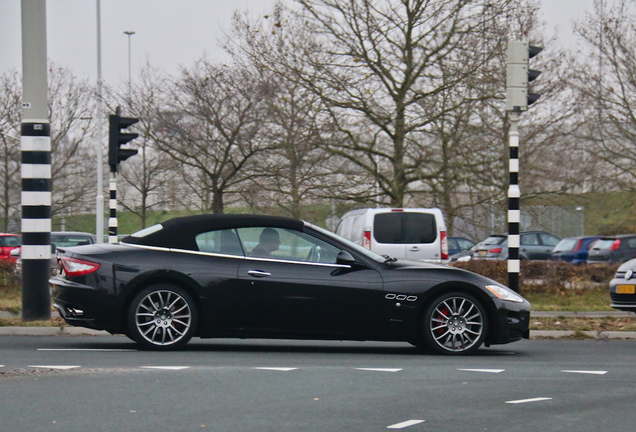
[[565, 245], [362, 250], [492, 240], [67, 240], [604, 244]]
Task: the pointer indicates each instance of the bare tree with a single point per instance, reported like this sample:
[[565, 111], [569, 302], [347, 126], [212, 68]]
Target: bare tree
[[71, 107], [609, 93], [146, 176], [375, 63], [297, 170], [212, 124], [10, 99]]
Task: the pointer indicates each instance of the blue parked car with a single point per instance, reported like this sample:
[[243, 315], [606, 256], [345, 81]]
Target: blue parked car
[[574, 249]]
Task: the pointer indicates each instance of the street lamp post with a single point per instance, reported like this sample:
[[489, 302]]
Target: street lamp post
[[129, 34]]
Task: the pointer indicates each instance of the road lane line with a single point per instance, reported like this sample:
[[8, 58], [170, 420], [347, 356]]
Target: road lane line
[[379, 369], [280, 369], [483, 370], [166, 367], [405, 424], [62, 367], [89, 349], [590, 372], [520, 401]]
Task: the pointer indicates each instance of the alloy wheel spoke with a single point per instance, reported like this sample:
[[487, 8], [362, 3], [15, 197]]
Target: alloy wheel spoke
[[163, 317]]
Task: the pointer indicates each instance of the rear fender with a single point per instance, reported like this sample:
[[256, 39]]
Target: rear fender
[[158, 276]]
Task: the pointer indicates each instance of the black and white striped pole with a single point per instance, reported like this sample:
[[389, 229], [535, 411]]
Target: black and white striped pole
[[112, 217], [35, 146], [116, 155], [518, 75], [514, 212]]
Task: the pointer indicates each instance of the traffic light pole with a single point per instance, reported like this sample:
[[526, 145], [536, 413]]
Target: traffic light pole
[[518, 99], [116, 155], [35, 146], [112, 220], [514, 195]]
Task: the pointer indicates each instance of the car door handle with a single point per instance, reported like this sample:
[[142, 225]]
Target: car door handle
[[258, 273], [414, 249]]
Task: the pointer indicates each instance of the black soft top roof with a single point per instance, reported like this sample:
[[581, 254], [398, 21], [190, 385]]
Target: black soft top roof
[[180, 233]]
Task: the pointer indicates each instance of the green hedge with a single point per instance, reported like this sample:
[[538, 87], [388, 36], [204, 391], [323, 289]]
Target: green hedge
[[538, 276]]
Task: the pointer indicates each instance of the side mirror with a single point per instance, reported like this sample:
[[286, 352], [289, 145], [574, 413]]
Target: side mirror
[[345, 258], [15, 252]]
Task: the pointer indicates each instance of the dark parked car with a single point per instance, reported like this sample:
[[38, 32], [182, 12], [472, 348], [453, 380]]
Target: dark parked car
[[534, 245], [613, 249], [459, 244], [251, 276], [63, 239], [573, 249], [623, 287]]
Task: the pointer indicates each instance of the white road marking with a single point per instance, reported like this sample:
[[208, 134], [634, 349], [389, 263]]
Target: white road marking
[[520, 401], [405, 424], [87, 349], [62, 367], [585, 372], [166, 367], [379, 369], [483, 370], [280, 369]]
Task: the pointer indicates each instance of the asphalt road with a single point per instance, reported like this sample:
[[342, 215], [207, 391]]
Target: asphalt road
[[103, 383]]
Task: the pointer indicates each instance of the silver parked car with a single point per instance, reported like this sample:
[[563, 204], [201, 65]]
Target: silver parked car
[[534, 245]]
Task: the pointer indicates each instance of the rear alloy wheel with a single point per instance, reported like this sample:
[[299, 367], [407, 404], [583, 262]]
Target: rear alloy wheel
[[455, 324], [162, 317]]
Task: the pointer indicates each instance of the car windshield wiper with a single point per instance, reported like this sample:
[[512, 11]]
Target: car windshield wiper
[[389, 259]]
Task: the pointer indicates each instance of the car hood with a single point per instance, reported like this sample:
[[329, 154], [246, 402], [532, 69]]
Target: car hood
[[414, 270]]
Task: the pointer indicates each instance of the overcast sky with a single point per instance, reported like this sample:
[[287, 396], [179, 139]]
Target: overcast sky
[[168, 33]]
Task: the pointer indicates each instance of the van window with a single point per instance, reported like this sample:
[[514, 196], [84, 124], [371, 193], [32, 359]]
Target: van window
[[404, 227]]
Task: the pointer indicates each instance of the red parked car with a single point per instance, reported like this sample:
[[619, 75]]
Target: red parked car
[[8, 242]]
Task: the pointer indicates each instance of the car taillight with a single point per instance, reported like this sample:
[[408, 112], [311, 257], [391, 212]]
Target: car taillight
[[76, 267], [494, 250], [578, 246], [444, 245], [615, 245], [366, 239]]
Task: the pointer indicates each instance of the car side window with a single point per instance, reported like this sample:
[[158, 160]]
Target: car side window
[[465, 244], [285, 244], [221, 242], [549, 239], [529, 240]]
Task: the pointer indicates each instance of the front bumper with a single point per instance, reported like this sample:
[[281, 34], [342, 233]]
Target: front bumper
[[512, 323]]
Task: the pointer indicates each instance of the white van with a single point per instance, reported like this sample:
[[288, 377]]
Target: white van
[[417, 233]]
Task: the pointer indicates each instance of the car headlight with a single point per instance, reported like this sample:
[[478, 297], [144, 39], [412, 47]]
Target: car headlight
[[504, 293]]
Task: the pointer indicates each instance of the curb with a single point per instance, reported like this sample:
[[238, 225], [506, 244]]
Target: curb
[[50, 331], [534, 334]]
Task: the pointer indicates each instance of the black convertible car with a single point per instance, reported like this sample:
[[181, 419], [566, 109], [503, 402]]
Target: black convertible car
[[250, 276]]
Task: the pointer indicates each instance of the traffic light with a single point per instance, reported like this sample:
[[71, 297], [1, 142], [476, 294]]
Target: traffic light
[[116, 138], [518, 75]]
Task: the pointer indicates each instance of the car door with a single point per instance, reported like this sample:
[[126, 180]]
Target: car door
[[548, 241], [301, 291], [530, 247]]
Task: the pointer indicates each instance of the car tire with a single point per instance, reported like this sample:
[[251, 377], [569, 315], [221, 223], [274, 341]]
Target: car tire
[[454, 323], [162, 317]]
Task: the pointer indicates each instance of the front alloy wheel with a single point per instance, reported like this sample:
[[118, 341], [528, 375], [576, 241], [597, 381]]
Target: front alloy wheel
[[455, 323], [162, 317]]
